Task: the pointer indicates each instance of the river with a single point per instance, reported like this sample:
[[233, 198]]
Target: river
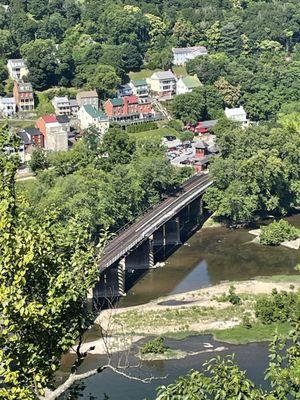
[[211, 256]]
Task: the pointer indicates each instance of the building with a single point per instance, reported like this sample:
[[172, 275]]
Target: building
[[55, 135], [124, 90], [181, 55], [17, 68], [140, 88], [74, 107], [90, 116], [88, 97], [23, 94], [30, 138], [237, 115], [128, 109], [187, 84], [61, 105], [163, 84], [7, 106]]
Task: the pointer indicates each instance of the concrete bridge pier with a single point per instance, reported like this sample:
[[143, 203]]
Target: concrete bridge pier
[[142, 257]]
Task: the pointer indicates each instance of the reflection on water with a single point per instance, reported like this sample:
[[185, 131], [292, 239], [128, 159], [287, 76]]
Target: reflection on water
[[211, 256]]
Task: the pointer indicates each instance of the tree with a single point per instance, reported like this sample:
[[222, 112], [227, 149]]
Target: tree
[[230, 94], [40, 56], [44, 278], [103, 78], [189, 107], [39, 160]]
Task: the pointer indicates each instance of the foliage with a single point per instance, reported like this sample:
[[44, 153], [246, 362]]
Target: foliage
[[257, 172], [279, 307], [39, 160], [155, 346], [232, 297], [145, 126], [277, 232], [45, 273]]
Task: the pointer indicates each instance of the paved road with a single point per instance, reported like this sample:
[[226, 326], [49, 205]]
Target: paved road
[[154, 219]]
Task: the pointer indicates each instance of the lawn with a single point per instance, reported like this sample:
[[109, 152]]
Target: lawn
[[154, 134], [258, 333], [19, 124], [179, 70], [280, 278], [144, 73]]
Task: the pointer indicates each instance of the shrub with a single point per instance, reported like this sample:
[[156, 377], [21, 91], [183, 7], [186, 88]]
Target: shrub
[[232, 297], [155, 346], [246, 321], [175, 125], [279, 307], [278, 232]]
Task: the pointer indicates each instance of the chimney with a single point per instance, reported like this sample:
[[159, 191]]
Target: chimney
[[126, 105]]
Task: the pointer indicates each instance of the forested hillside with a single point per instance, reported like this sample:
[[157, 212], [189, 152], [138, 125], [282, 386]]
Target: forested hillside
[[254, 50]]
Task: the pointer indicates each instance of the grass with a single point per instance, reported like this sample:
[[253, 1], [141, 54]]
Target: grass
[[154, 134], [20, 124], [280, 278], [179, 70], [258, 333], [144, 73]]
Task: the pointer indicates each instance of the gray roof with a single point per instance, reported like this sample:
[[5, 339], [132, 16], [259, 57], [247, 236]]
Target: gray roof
[[164, 75], [201, 145], [87, 93], [209, 124], [62, 119], [179, 50], [33, 131], [7, 100], [73, 103]]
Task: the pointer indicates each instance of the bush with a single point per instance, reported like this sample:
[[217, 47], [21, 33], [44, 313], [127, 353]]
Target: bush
[[174, 124], [232, 297], [246, 321], [155, 346], [278, 232], [146, 126], [279, 307]]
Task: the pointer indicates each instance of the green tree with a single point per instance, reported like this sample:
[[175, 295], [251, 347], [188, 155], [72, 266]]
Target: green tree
[[103, 78], [39, 160], [44, 279], [189, 107]]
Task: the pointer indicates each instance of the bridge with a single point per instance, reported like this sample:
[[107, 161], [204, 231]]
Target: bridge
[[141, 245]]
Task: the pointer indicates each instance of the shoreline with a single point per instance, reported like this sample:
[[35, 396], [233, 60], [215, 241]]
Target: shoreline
[[195, 312]]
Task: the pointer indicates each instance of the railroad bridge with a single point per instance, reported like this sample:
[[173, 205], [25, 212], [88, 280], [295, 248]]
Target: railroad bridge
[[144, 243]]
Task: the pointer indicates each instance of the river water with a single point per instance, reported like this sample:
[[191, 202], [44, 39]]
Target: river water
[[211, 256]]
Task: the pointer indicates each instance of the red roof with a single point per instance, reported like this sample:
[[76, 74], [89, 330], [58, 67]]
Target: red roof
[[132, 99], [48, 119]]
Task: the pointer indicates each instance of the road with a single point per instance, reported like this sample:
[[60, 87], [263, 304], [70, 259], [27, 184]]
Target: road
[[154, 219]]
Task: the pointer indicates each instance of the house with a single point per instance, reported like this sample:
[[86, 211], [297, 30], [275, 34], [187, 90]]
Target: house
[[202, 127], [55, 135], [128, 109], [17, 68], [187, 84], [90, 116], [65, 122], [181, 55], [237, 115], [163, 84], [61, 105], [7, 106], [124, 90], [201, 149], [88, 97], [74, 107], [23, 94], [30, 138], [140, 88]]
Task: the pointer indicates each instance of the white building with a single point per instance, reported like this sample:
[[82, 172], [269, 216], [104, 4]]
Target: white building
[[17, 68], [187, 84], [181, 55], [88, 97], [7, 106], [163, 83], [56, 138], [90, 116], [61, 105], [237, 115], [140, 88]]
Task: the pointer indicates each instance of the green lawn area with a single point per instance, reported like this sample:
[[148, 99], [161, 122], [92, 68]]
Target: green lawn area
[[20, 124], [280, 278], [154, 134], [258, 333], [144, 73], [179, 70]]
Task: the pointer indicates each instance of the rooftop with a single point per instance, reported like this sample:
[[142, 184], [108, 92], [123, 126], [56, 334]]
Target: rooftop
[[116, 102], [163, 75], [32, 131], [73, 103], [231, 112], [25, 87], [194, 49], [7, 100], [60, 99], [16, 62], [62, 119], [49, 119], [94, 113], [191, 82], [87, 93], [139, 82]]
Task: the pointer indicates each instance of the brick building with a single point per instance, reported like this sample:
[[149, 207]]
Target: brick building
[[128, 109], [23, 94]]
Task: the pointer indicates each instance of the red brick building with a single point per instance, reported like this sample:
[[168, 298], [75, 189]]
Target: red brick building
[[23, 94], [127, 109]]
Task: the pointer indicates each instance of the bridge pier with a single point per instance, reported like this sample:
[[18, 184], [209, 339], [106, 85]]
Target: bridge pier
[[141, 257]]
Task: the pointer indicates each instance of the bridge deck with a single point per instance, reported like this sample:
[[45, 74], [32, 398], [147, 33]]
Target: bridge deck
[[153, 220]]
